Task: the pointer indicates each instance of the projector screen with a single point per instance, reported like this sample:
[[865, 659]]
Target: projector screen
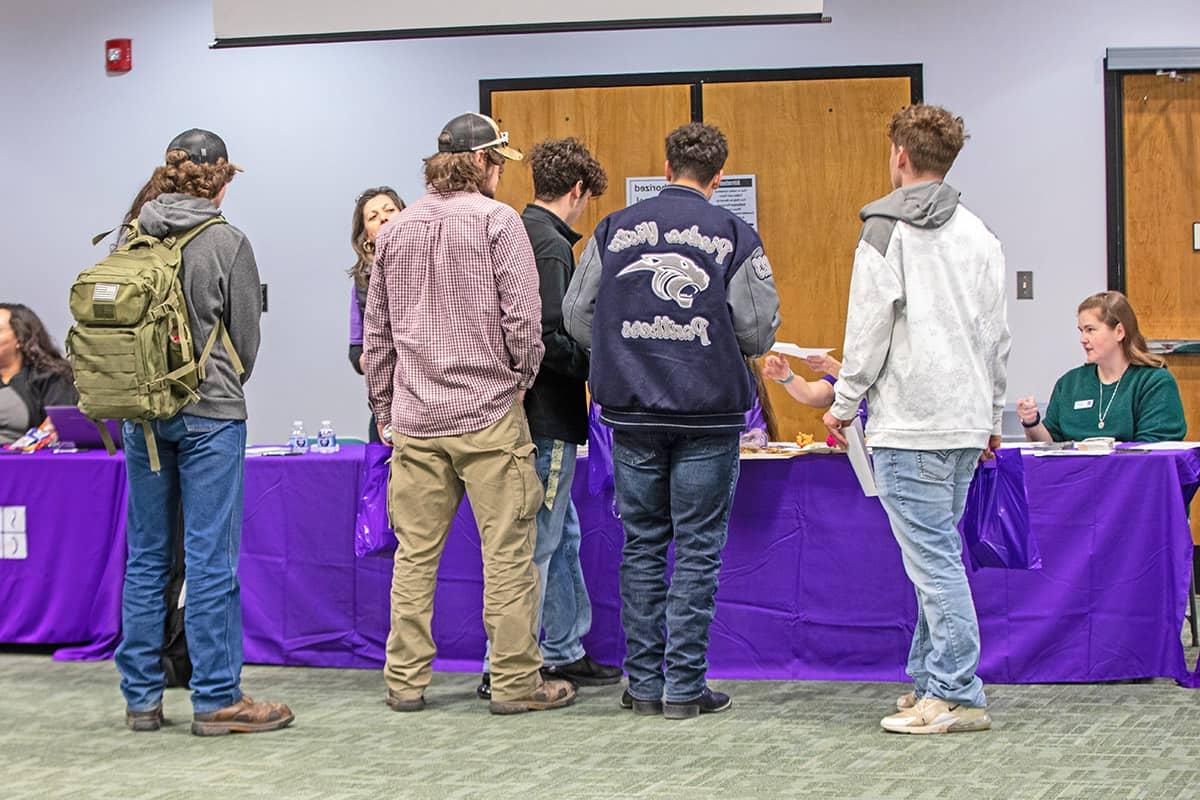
[[238, 23]]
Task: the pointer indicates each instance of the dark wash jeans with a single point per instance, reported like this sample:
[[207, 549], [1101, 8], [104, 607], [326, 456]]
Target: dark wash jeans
[[671, 486]]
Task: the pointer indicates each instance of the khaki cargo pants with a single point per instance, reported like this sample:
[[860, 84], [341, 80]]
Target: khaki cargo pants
[[428, 476]]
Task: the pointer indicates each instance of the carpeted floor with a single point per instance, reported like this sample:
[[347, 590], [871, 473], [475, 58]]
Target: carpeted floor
[[62, 736]]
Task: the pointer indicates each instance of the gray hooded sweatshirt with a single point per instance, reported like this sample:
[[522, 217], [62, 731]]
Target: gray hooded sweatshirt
[[220, 281], [927, 338]]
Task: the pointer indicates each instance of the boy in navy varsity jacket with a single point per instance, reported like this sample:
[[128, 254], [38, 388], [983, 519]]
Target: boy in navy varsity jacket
[[671, 295]]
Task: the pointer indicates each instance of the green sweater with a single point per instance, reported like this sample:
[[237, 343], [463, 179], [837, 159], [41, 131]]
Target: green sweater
[[1145, 407]]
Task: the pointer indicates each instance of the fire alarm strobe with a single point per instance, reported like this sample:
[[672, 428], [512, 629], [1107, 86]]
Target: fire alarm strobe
[[118, 55]]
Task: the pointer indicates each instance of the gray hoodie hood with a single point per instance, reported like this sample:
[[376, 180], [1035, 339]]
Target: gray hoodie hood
[[173, 213], [220, 282], [923, 205]]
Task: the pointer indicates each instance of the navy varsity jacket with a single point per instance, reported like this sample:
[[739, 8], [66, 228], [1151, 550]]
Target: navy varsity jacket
[[671, 294]]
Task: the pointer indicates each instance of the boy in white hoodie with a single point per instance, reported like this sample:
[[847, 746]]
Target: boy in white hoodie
[[927, 344]]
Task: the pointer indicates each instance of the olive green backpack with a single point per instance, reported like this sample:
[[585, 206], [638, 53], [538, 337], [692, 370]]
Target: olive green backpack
[[131, 345]]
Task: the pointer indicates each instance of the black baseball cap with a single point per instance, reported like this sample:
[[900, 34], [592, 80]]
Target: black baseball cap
[[203, 147], [470, 132]]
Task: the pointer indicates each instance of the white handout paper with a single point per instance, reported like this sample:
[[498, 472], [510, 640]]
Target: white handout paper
[[789, 349], [856, 448]]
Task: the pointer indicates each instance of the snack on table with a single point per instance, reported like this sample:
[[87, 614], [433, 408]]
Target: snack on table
[[777, 449], [1097, 444], [804, 439], [34, 439]]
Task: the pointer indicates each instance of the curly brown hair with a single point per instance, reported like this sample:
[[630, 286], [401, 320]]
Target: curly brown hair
[[181, 175], [559, 164], [364, 250], [697, 151], [38, 350], [457, 172], [931, 135]]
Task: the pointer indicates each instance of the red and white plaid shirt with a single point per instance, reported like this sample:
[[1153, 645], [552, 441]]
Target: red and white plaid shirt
[[453, 323]]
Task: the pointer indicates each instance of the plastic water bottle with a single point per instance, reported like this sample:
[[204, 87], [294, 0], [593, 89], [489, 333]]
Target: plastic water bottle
[[298, 442], [326, 439]]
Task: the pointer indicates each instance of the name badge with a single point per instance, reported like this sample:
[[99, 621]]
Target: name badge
[[1080, 404]]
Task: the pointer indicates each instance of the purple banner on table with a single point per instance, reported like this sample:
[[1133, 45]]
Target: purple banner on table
[[64, 583], [812, 586], [298, 568]]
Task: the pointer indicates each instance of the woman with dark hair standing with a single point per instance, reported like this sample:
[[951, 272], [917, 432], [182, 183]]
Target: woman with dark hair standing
[[1123, 391], [202, 453], [373, 208], [33, 372]]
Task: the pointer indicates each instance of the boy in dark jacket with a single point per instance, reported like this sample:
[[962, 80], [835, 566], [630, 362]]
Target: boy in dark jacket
[[565, 177], [671, 295]]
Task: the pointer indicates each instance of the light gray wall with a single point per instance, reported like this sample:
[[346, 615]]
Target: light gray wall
[[315, 124]]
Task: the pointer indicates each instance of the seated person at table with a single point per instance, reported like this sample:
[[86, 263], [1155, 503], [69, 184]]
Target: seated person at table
[[33, 372], [1123, 390]]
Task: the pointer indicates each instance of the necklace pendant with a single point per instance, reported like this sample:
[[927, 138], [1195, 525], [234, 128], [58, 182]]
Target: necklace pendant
[[1101, 425]]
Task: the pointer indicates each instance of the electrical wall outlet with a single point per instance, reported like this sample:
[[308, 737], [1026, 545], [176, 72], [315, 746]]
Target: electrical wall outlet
[[1025, 285]]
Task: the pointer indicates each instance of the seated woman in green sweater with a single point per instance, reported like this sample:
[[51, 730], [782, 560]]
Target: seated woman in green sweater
[[1123, 390]]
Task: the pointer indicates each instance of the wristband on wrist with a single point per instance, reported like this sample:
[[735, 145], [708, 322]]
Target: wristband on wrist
[[791, 377], [1037, 421]]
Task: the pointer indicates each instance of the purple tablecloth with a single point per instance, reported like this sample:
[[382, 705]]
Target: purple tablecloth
[[812, 585], [67, 589]]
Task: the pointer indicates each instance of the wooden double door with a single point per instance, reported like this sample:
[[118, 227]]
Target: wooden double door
[[815, 140]]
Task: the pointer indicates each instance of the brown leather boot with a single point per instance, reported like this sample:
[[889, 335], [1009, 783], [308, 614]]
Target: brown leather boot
[[149, 720], [244, 716], [551, 694], [406, 701]]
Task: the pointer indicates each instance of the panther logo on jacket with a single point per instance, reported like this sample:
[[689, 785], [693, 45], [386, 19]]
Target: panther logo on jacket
[[676, 278]]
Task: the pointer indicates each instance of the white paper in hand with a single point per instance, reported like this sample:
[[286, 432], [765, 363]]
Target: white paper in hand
[[856, 448], [789, 349]]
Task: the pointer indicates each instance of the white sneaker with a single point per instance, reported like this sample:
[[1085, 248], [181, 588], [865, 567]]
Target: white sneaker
[[934, 715], [906, 701]]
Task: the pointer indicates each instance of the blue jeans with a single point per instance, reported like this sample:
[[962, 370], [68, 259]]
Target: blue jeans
[[566, 607], [671, 486], [566, 610], [202, 468], [924, 493]]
